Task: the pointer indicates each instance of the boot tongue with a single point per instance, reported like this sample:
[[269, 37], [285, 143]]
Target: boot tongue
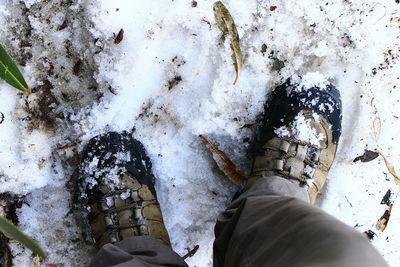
[[305, 127]]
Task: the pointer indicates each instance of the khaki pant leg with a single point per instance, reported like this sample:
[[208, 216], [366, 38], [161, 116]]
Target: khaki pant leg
[[272, 230], [137, 251]]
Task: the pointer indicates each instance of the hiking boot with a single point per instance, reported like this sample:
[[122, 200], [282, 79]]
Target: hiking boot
[[300, 132], [117, 187]]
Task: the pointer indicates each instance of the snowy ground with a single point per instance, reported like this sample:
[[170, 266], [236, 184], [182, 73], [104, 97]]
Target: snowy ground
[[84, 84]]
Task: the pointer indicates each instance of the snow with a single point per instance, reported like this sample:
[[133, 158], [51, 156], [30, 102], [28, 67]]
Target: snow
[[125, 194], [353, 44], [302, 130], [313, 79]]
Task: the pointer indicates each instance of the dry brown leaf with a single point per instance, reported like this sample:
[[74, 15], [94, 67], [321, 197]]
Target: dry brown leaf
[[191, 252], [367, 156], [389, 166], [370, 234], [42, 163], [119, 37], [387, 198], [227, 25], [77, 67], [224, 163], [384, 219]]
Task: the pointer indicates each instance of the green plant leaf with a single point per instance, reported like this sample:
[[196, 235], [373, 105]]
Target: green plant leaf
[[10, 73], [12, 232]]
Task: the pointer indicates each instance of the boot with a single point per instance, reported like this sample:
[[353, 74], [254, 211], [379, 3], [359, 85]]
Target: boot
[[300, 132], [117, 188]]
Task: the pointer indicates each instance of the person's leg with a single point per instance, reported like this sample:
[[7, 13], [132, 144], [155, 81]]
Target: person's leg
[[263, 228], [272, 222], [138, 251]]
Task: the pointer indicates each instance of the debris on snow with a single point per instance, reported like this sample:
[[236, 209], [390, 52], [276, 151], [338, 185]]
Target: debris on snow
[[191, 252], [227, 25], [226, 165], [390, 167], [387, 198], [370, 234], [367, 156], [119, 37], [384, 219]]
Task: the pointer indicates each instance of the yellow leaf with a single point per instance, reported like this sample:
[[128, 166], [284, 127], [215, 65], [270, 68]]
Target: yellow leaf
[[227, 25]]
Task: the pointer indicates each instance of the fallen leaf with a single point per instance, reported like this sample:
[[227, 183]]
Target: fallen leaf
[[77, 67], [246, 125], [119, 37], [367, 156], [263, 48], [370, 234], [191, 252], [386, 198], [63, 26], [384, 219], [42, 164], [389, 166], [227, 25], [278, 65], [174, 81], [224, 163]]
